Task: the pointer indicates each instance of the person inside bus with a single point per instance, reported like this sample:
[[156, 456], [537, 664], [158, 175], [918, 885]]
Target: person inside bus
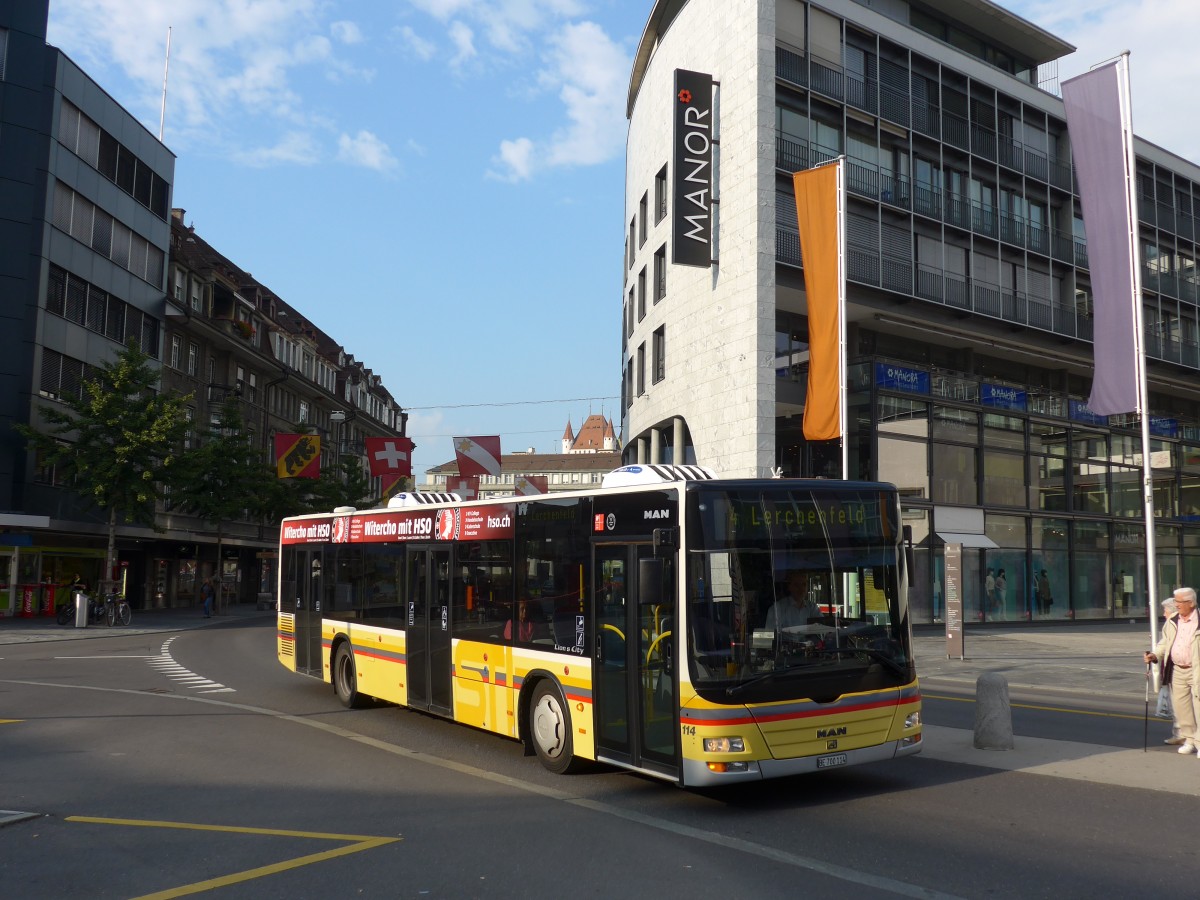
[[796, 607], [522, 628]]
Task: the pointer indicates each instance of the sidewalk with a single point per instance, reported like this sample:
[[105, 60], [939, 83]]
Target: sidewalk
[[15, 630], [1096, 658]]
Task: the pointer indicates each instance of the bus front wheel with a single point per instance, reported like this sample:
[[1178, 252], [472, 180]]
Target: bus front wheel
[[550, 729], [345, 678]]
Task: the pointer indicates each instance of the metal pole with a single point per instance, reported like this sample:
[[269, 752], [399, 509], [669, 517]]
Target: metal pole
[[841, 261], [1139, 334], [162, 116]]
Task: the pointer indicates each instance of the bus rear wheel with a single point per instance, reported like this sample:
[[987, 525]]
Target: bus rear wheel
[[345, 678], [550, 729]]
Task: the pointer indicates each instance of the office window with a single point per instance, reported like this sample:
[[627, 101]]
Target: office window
[[660, 195], [632, 238], [659, 349], [641, 294], [176, 351], [193, 361], [3, 50], [641, 369], [629, 309], [660, 273], [642, 210]]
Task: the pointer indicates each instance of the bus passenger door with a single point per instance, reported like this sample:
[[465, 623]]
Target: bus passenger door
[[306, 577], [636, 705], [427, 623]]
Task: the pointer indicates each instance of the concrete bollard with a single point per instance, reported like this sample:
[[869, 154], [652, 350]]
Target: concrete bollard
[[993, 713]]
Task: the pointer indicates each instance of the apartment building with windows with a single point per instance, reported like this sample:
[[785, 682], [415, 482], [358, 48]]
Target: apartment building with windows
[[968, 291], [230, 338]]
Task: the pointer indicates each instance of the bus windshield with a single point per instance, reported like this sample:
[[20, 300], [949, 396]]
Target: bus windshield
[[795, 584]]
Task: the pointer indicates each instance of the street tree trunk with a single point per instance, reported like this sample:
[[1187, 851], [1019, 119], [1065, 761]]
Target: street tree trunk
[[110, 556]]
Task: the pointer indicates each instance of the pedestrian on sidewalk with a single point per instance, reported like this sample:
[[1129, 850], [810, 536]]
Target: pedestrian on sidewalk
[[1179, 651], [206, 594], [1165, 709]]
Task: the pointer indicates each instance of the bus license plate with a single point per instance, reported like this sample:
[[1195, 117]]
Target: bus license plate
[[828, 762]]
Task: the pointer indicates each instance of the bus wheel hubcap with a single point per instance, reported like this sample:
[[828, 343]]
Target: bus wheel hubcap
[[548, 726]]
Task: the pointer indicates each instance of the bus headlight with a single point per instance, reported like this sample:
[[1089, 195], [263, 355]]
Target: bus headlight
[[912, 720], [724, 745]]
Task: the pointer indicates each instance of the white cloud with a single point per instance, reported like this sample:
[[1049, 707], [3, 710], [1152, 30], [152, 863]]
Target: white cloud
[[464, 43], [366, 150], [294, 147], [589, 72], [346, 32], [229, 59], [443, 10], [420, 48], [515, 161]]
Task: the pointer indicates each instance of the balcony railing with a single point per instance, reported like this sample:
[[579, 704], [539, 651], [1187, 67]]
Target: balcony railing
[[790, 66]]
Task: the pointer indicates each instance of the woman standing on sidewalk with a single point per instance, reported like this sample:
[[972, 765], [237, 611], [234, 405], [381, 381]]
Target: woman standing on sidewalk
[[1179, 650]]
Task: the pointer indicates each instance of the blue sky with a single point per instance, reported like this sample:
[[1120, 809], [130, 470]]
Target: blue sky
[[439, 184]]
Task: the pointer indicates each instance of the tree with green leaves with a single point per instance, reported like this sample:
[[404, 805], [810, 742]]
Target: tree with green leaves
[[223, 479], [115, 443]]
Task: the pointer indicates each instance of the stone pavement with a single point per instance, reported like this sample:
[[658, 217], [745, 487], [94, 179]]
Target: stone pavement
[[1085, 658]]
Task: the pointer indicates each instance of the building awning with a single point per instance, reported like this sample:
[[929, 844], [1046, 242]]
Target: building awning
[[968, 540]]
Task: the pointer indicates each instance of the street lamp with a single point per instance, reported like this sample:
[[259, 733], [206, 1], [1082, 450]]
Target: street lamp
[[337, 417]]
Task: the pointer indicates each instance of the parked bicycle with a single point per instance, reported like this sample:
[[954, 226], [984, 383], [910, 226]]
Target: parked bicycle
[[117, 608], [97, 611]]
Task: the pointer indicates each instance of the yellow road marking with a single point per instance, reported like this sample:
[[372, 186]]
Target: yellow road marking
[[1062, 709], [358, 843], [10, 721]]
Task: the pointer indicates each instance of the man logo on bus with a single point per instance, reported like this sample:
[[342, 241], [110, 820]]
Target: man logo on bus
[[447, 524], [611, 522]]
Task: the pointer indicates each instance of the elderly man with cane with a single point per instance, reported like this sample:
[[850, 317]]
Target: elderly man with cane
[[1179, 651]]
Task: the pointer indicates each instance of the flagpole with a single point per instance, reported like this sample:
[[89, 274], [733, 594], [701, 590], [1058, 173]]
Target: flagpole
[[1139, 335], [841, 253]]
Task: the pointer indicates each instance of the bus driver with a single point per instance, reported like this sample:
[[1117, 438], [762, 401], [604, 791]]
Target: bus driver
[[796, 608]]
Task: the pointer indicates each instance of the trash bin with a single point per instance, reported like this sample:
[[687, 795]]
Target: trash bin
[[81, 609]]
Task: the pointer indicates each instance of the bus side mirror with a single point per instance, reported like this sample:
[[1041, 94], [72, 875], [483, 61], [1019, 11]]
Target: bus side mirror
[[650, 578]]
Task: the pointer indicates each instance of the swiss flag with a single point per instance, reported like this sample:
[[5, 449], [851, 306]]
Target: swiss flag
[[467, 488], [389, 456], [478, 455]]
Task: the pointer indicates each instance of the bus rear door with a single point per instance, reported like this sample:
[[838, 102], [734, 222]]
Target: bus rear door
[[636, 703]]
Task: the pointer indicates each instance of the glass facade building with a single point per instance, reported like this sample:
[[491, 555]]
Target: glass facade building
[[969, 317]]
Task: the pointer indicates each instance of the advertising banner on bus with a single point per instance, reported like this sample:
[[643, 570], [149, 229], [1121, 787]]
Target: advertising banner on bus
[[479, 523]]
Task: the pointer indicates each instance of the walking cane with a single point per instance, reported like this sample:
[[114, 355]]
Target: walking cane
[[1146, 728]]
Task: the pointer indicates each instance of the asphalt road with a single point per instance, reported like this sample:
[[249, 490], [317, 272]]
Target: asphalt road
[[178, 762]]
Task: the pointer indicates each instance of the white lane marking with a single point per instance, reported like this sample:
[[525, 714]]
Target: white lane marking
[[184, 677]]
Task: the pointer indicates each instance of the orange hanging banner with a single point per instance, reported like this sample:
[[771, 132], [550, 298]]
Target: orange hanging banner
[[817, 212]]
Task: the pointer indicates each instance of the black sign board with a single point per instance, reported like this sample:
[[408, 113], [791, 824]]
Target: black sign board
[[691, 243]]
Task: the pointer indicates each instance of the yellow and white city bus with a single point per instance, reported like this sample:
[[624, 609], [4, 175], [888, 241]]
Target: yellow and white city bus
[[631, 625]]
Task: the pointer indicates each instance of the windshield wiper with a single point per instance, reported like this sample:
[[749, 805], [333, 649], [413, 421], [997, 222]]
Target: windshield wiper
[[877, 655], [765, 677]]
